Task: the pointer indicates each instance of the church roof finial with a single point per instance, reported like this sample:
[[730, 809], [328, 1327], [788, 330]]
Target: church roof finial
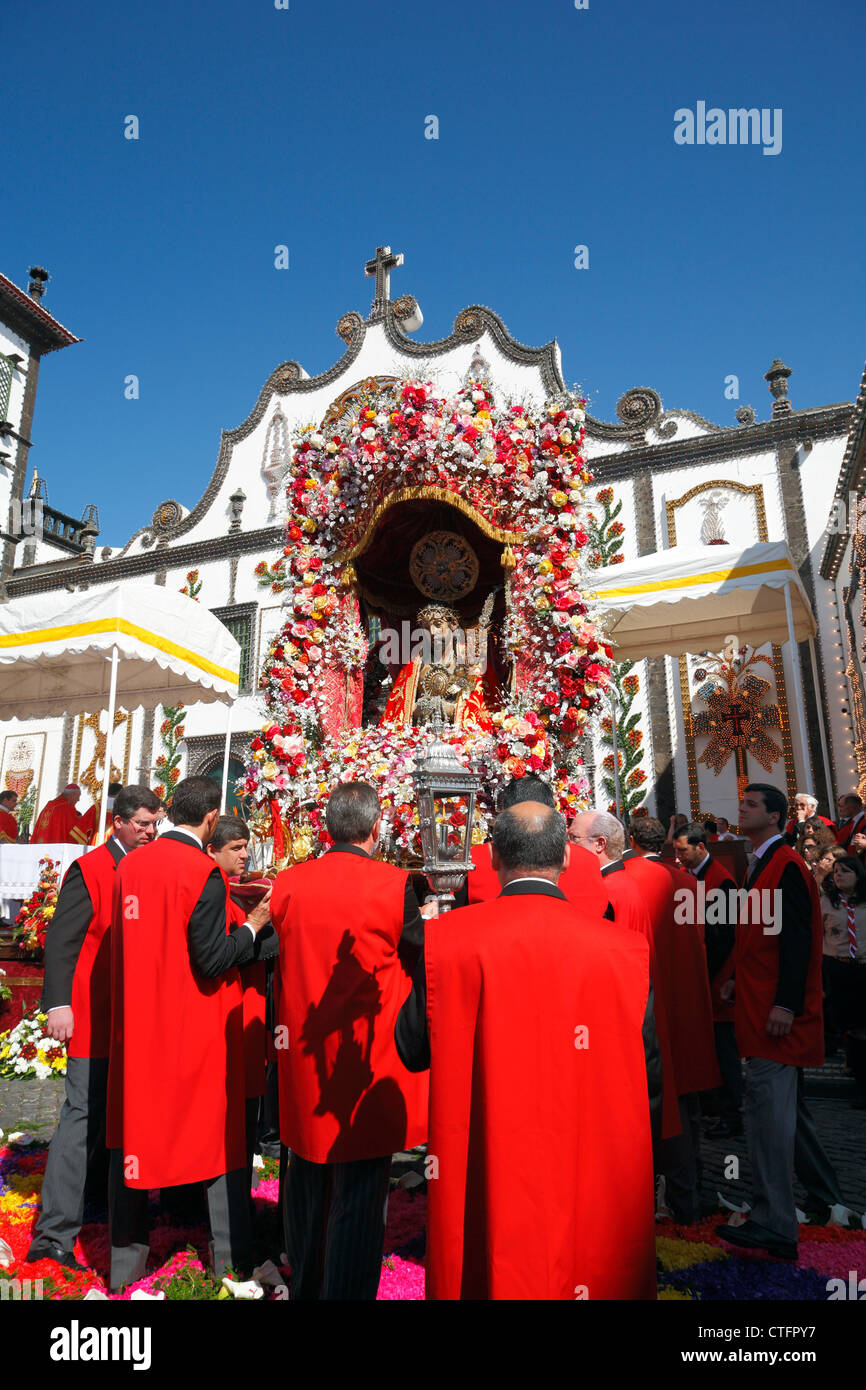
[[381, 266]]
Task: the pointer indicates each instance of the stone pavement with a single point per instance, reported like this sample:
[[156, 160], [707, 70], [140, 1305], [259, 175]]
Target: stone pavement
[[35, 1105]]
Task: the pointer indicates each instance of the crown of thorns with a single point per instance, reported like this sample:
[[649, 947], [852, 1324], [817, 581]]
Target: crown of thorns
[[438, 612]]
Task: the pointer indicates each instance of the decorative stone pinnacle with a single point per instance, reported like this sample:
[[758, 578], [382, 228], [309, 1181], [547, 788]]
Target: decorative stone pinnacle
[[777, 381], [381, 266], [38, 279]]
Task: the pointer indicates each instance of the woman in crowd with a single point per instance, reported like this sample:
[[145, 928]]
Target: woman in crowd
[[844, 966], [822, 865]]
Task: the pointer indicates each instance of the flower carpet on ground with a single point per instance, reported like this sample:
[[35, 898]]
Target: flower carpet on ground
[[693, 1263]]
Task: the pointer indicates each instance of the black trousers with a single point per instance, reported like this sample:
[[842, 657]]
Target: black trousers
[[334, 1218], [730, 1093], [679, 1160]]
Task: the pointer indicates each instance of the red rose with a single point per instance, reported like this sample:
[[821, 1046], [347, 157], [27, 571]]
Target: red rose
[[536, 763], [502, 751], [568, 685], [256, 745], [551, 700], [595, 672], [318, 590]]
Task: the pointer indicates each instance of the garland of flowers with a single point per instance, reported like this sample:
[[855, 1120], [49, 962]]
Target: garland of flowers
[[35, 916], [27, 1052], [26, 808], [167, 765], [523, 475], [629, 740]]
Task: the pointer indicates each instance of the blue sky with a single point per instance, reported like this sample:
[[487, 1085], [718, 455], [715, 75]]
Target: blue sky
[[305, 127]]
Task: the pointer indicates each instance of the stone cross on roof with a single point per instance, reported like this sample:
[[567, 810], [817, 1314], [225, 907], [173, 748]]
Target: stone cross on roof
[[381, 266]]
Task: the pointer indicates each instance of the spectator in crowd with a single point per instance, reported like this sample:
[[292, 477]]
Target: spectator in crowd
[[844, 966], [723, 829], [823, 865], [676, 823], [805, 808], [851, 818], [811, 838]]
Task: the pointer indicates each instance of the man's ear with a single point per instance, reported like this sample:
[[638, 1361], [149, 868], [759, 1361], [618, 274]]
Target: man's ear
[[494, 859], [377, 830], [567, 858], [209, 849]]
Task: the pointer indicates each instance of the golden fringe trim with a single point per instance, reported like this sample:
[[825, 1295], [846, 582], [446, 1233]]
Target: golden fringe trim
[[427, 494]]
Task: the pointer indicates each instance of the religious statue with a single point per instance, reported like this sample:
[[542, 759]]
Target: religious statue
[[450, 686]]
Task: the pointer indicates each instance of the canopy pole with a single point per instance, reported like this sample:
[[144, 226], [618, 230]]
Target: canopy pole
[[798, 686], [106, 776], [616, 785], [226, 754], [824, 752]]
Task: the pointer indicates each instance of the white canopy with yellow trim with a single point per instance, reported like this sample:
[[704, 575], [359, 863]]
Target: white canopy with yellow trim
[[55, 651], [694, 599], [139, 644], [690, 600]]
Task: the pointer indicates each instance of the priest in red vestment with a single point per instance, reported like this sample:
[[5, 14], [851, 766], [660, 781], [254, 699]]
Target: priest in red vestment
[[535, 1022], [349, 926], [176, 1082], [85, 829], [56, 819], [76, 998], [8, 823]]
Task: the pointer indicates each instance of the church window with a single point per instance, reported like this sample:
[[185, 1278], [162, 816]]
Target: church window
[[239, 622], [5, 384]]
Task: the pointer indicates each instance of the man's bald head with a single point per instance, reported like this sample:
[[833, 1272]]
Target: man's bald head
[[600, 833], [529, 841]]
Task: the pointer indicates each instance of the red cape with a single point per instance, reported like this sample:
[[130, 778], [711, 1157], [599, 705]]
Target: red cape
[[483, 884], [175, 1080], [91, 983], [681, 977], [716, 876], [254, 984], [583, 884], [54, 823], [8, 827], [756, 971], [344, 1093], [630, 911], [539, 1116]]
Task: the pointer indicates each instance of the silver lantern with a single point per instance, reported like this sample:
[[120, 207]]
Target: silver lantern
[[445, 788]]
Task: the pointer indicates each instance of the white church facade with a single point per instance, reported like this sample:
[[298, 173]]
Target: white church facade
[[681, 479]]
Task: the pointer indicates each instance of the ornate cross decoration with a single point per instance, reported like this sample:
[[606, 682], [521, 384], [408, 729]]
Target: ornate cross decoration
[[381, 266]]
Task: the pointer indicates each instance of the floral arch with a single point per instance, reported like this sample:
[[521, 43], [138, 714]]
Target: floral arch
[[387, 456]]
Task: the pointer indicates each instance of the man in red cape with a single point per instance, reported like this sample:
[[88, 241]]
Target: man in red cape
[[602, 836], [581, 881], [778, 1017], [851, 819], [532, 1020], [678, 936], [720, 916], [228, 847], [76, 998], [56, 819], [175, 1082], [347, 1103]]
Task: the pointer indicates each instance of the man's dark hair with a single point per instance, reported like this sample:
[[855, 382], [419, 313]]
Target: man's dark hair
[[649, 833], [351, 813], [193, 798], [694, 832], [128, 800], [854, 798], [774, 800], [8, 796], [538, 845], [228, 829], [710, 826], [114, 788], [528, 788]]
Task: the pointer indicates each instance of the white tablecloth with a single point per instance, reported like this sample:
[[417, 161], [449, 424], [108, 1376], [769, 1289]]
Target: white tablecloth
[[19, 870]]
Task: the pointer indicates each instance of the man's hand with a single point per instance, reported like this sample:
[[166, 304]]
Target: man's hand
[[430, 909], [858, 842], [727, 991], [779, 1022], [261, 913], [60, 1024]]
